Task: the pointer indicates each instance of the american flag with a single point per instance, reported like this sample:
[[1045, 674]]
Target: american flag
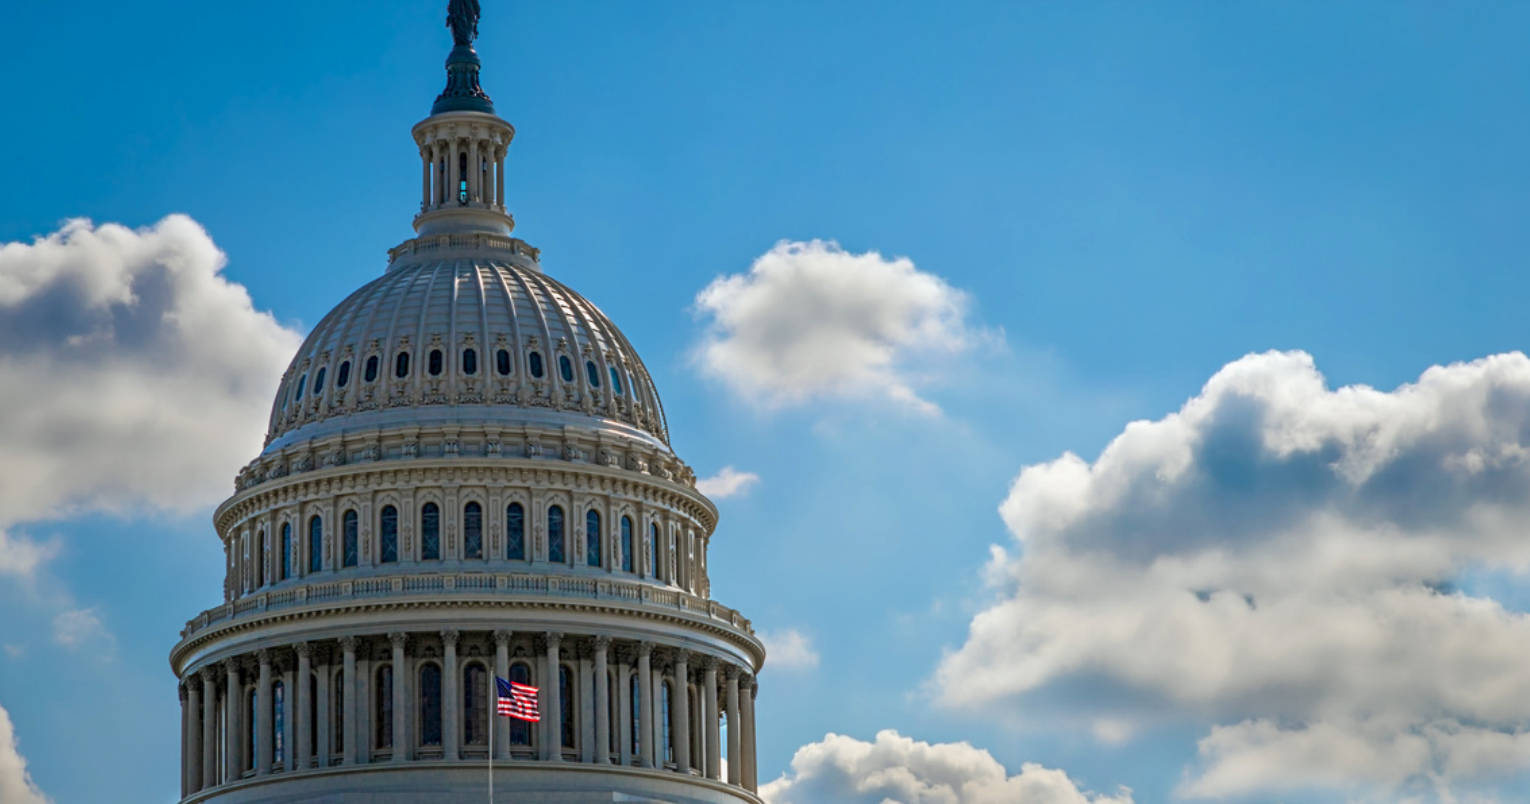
[[517, 700]]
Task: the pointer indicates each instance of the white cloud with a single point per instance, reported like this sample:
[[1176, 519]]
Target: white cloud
[[74, 628], [788, 650], [898, 770], [812, 320], [16, 785], [131, 373], [21, 556], [1278, 558], [727, 483]]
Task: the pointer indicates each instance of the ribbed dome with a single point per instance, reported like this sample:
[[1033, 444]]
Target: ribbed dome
[[465, 329]]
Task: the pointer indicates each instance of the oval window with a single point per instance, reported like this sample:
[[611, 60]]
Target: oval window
[[566, 368], [470, 362], [592, 372], [370, 374], [343, 376], [401, 365], [535, 360], [616, 381], [301, 382], [318, 380], [502, 362], [435, 362]]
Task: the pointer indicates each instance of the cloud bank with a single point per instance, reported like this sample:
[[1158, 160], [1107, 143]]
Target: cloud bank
[[1280, 559], [789, 649], [811, 320], [728, 483], [16, 785], [898, 770]]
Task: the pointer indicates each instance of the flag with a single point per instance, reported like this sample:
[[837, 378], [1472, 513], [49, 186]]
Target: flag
[[517, 700]]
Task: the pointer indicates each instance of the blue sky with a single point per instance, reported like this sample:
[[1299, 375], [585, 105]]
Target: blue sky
[[1130, 197]]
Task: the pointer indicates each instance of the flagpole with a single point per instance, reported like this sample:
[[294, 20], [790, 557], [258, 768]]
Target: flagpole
[[493, 701]]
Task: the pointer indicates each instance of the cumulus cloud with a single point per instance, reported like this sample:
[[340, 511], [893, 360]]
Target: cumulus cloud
[[812, 320], [1280, 559], [788, 649], [16, 786], [78, 627], [898, 770], [132, 373], [21, 556], [728, 483]]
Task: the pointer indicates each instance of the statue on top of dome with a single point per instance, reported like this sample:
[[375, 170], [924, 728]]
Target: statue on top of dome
[[462, 18]]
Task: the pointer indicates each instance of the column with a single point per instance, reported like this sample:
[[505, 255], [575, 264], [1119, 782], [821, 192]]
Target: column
[[180, 690], [436, 154], [501, 725], [289, 719], [499, 179], [751, 779], [645, 704], [299, 694], [710, 718], [680, 708], [623, 724], [194, 736], [734, 758], [553, 717], [209, 775], [474, 191], [321, 709], [425, 178], [232, 703], [602, 703], [350, 738], [451, 699], [264, 712], [401, 741]]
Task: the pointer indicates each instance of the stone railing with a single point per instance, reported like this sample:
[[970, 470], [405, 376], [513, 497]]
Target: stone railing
[[462, 242], [640, 596]]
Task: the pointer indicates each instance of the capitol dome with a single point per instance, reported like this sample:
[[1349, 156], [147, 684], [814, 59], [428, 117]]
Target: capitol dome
[[467, 480]]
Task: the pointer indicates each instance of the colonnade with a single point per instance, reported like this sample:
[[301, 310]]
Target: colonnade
[[448, 162], [402, 697]]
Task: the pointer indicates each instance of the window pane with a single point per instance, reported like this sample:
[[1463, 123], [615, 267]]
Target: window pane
[[616, 381], [350, 539], [435, 362], [555, 534], [260, 558], [653, 566], [592, 373], [520, 730], [502, 362], [470, 362], [371, 371], [637, 714], [286, 551], [401, 365], [318, 381], [430, 532], [566, 706], [302, 381], [338, 727], [515, 532], [535, 359], [430, 705], [472, 530], [384, 706], [475, 700], [565, 368], [343, 376], [315, 544], [592, 538], [388, 552], [626, 544]]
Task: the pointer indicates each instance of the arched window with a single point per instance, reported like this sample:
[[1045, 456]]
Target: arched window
[[401, 365], [470, 362], [384, 707], [616, 381], [337, 727], [430, 704], [555, 535], [315, 544], [565, 368], [667, 742], [626, 544], [472, 530], [653, 567], [520, 730], [350, 528], [343, 376], [535, 361], [592, 538], [566, 707], [475, 702], [279, 721], [387, 551], [302, 381], [515, 532], [592, 373], [370, 374], [318, 381], [286, 552], [462, 174], [636, 694], [502, 362], [430, 532], [260, 558], [436, 362]]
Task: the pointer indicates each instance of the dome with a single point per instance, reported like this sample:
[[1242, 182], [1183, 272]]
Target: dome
[[467, 330]]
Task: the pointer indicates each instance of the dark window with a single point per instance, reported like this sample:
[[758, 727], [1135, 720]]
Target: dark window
[[318, 381], [475, 700], [520, 730], [370, 374], [637, 693], [343, 376], [592, 373], [470, 362], [616, 381], [626, 544], [535, 360], [472, 530], [667, 741], [279, 718], [566, 705], [350, 538], [430, 532], [388, 548], [430, 705], [385, 706], [462, 174], [248, 760], [286, 551], [260, 558], [302, 381], [565, 368], [313, 710], [653, 567], [515, 532], [338, 727], [555, 534], [592, 538], [315, 544], [401, 365], [435, 362], [502, 362], [613, 714]]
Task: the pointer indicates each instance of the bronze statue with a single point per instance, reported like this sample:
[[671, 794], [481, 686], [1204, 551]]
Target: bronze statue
[[462, 18]]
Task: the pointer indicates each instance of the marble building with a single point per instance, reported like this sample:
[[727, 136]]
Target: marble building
[[467, 474]]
